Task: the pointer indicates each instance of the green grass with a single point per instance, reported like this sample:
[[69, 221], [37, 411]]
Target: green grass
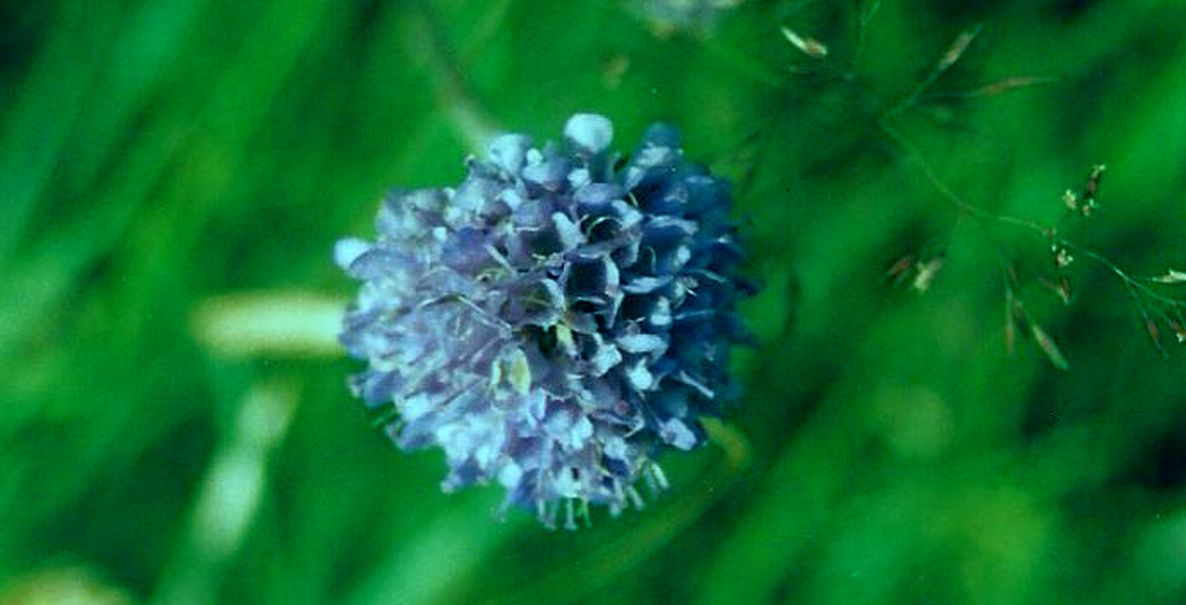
[[175, 173]]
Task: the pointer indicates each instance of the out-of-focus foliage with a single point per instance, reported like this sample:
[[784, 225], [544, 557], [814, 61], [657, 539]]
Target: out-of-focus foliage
[[175, 172]]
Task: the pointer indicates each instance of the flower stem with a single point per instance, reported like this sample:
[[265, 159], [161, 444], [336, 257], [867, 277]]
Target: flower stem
[[588, 574]]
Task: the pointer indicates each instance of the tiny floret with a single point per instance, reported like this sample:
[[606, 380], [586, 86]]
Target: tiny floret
[[553, 322]]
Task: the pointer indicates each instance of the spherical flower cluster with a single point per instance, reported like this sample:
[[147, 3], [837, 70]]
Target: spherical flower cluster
[[554, 321]]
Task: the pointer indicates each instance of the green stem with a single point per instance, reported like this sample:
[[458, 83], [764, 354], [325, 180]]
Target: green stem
[[949, 58], [470, 120], [588, 574]]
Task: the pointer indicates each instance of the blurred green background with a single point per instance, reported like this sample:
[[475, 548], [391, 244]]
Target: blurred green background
[[174, 427]]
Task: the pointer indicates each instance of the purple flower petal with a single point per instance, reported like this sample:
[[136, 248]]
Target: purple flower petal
[[552, 323]]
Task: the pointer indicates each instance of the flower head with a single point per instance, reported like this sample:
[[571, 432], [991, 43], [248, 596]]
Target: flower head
[[554, 321]]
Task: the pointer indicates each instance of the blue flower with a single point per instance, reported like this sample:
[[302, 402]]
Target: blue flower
[[556, 320]]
